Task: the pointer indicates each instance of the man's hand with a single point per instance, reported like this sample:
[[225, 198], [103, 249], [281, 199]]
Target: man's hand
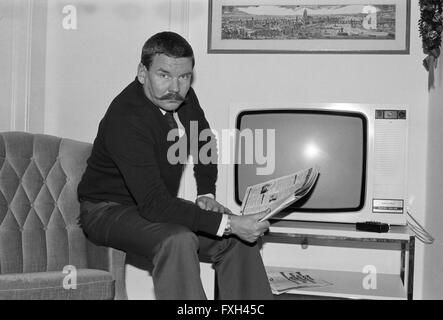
[[207, 203], [248, 227]]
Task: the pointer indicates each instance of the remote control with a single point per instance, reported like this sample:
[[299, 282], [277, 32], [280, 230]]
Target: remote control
[[372, 226]]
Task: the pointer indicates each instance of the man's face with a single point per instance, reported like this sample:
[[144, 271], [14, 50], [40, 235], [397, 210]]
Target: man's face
[[167, 81]]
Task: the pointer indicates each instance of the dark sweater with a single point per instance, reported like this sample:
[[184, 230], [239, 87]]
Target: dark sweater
[[129, 164]]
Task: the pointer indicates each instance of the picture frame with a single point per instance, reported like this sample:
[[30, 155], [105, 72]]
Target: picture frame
[[302, 26]]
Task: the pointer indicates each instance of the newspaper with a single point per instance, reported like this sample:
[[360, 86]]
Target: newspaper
[[274, 195], [284, 281]]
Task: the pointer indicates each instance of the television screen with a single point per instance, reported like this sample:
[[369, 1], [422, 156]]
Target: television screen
[[334, 140]]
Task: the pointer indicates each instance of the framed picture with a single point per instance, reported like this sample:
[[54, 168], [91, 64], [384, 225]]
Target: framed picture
[[306, 26]]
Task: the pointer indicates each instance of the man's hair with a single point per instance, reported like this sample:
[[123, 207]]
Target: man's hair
[[167, 43]]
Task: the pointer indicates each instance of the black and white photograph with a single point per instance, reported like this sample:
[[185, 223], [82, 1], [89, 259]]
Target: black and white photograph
[[220, 158]]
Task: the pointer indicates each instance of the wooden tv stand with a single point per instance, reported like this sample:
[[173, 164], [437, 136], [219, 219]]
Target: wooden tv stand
[[348, 284]]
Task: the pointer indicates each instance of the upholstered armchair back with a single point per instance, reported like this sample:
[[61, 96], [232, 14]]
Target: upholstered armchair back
[[39, 210]]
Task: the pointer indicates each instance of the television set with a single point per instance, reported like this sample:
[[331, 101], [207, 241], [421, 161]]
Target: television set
[[361, 150]]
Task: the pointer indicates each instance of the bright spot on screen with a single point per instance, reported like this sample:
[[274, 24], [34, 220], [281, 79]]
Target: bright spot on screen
[[311, 151]]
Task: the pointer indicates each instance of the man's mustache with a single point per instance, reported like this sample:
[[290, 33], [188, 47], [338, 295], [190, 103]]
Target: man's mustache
[[172, 96]]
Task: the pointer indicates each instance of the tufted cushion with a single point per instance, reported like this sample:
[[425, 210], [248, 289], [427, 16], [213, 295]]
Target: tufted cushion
[[90, 284], [39, 228]]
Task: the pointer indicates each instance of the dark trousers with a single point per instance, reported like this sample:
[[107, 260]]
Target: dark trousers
[[175, 252]]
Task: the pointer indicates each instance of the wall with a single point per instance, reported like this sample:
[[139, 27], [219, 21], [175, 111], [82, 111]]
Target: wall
[[433, 258], [90, 65], [6, 38], [85, 68], [22, 64]]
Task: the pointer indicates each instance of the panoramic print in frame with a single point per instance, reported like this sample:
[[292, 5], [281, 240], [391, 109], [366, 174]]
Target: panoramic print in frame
[[344, 26]]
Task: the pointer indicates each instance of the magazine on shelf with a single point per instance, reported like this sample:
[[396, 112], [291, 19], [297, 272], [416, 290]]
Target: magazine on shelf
[[275, 195], [282, 281]]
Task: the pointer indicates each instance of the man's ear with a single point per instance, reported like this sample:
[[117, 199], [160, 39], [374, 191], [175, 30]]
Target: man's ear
[[141, 73]]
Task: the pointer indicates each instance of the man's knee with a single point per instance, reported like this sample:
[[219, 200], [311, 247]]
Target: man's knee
[[180, 238]]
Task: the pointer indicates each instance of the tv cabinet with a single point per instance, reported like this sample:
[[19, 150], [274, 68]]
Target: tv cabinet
[[348, 284]]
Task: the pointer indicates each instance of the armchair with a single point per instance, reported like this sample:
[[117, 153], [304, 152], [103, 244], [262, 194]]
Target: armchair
[[43, 251]]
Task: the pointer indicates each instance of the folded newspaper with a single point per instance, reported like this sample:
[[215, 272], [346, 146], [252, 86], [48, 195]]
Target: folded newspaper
[[275, 195], [282, 281]]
